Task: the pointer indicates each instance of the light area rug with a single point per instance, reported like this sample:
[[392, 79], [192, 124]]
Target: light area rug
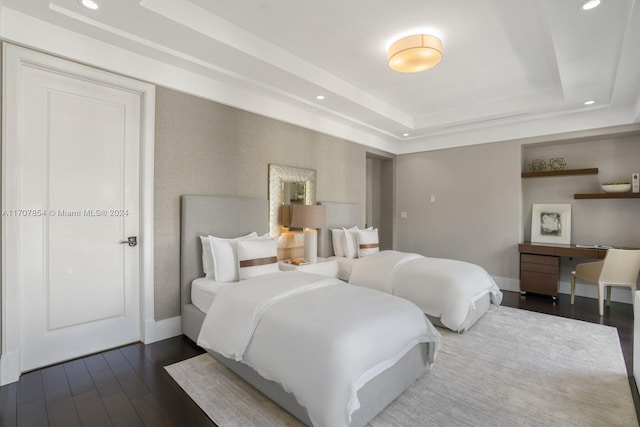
[[512, 368]]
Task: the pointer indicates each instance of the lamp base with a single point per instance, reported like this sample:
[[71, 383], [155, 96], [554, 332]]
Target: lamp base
[[310, 245]]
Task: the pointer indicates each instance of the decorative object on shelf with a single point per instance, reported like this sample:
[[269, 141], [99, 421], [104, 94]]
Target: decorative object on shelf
[[551, 223], [557, 164], [635, 183], [616, 187], [537, 165]]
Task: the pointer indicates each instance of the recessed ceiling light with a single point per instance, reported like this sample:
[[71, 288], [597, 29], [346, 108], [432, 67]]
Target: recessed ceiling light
[[90, 4], [405, 134], [589, 102], [590, 4], [320, 97]]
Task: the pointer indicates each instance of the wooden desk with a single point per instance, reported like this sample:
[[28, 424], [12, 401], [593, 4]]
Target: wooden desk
[[540, 265]]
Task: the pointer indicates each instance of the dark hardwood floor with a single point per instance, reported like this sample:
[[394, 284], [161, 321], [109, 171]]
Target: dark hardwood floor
[[128, 386]]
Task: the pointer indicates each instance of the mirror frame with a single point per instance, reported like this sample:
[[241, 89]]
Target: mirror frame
[[277, 176]]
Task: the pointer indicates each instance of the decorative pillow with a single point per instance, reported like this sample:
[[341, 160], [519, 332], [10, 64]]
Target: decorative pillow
[[350, 245], [337, 238], [257, 256], [367, 242], [219, 258]]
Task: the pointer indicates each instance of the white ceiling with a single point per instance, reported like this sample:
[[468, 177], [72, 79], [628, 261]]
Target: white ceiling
[[511, 68]]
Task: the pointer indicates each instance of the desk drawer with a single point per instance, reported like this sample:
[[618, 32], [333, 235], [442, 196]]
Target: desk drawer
[[539, 283], [539, 268], [540, 259], [539, 274]]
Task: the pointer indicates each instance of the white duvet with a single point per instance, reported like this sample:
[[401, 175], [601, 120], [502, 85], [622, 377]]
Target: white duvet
[[443, 288], [320, 338]]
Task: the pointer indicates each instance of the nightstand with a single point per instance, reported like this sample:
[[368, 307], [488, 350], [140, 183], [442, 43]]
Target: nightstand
[[323, 266]]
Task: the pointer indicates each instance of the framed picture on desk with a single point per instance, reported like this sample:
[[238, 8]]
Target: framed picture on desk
[[551, 223]]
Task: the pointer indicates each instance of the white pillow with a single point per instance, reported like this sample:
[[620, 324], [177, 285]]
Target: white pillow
[[350, 245], [337, 238], [207, 258], [257, 256], [219, 258], [368, 242]]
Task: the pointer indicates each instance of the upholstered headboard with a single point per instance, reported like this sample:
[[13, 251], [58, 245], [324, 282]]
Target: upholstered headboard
[[225, 217], [338, 215]]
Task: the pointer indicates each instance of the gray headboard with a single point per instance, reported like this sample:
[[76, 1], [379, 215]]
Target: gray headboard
[[338, 215], [218, 216]]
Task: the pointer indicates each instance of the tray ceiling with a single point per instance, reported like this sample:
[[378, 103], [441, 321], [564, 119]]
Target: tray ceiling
[[510, 69]]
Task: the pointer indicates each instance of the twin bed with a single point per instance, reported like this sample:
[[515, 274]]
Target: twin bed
[[308, 342], [453, 294], [311, 343]]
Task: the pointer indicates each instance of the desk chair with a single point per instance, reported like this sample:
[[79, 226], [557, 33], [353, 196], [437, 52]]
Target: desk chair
[[619, 268]]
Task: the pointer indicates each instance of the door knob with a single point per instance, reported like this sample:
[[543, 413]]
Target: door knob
[[131, 241]]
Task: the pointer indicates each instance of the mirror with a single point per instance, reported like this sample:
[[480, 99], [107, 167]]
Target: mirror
[[287, 186]]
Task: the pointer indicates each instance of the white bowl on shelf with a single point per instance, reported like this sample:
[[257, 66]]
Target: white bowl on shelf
[[616, 187]]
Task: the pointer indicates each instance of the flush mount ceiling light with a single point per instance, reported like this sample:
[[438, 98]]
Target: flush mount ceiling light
[[415, 53], [590, 4], [90, 4]]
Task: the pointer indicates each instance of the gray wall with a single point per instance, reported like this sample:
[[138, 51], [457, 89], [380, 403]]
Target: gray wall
[[203, 147], [476, 213]]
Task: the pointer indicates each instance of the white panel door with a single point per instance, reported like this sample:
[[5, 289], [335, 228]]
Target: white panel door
[[78, 199]]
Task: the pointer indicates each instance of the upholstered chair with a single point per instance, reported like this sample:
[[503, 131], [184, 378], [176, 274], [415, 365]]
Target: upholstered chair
[[620, 267]]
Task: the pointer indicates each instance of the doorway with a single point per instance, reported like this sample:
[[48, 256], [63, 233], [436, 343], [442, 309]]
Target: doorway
[[76, 191], [380, 198]]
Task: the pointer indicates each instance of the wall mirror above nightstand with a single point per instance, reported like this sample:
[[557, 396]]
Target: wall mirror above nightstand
[[288, 186]]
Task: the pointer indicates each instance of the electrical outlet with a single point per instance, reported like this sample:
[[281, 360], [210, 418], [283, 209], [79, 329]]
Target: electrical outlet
[[403, 215], [433, 199]]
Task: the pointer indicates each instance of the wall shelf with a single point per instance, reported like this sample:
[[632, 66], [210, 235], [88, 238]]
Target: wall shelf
[[588, 171], [607, 196]]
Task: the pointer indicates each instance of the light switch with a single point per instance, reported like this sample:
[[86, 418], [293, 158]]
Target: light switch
[[433, 199], [403, 215]]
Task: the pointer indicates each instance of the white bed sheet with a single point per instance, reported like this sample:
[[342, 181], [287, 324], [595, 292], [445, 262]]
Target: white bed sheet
[[320, 338], [204, 291]]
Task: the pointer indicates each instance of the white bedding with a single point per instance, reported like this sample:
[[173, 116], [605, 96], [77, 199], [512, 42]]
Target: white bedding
[[345, 265], [204, 291], [320, 338], [443, 288]]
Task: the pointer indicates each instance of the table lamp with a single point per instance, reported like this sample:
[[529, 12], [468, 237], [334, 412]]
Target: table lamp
[[309, 217]]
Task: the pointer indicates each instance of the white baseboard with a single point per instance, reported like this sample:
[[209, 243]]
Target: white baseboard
[[507, 284], [618, 294], [167, 328], [636, 339], [583, 290]]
